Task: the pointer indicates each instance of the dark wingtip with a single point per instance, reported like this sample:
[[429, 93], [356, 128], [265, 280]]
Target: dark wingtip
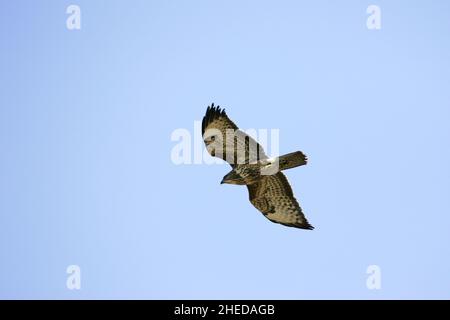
[[306, 225], [212, 113]]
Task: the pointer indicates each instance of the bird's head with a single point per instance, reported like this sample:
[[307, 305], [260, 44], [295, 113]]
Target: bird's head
[[233, 177]]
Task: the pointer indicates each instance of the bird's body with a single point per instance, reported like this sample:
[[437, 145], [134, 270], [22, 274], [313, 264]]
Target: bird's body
[[269, 190]]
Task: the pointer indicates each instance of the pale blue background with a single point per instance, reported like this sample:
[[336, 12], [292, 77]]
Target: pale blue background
[[86, 176]]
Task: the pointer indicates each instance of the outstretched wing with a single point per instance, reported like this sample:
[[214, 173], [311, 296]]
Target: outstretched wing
[[272, 195], [224, 140]]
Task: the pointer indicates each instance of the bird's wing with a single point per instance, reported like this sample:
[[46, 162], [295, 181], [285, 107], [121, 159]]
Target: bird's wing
[[273, 196], [234, 145]]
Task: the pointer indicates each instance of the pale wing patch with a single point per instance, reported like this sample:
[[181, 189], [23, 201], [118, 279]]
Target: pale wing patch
[[229, 143]]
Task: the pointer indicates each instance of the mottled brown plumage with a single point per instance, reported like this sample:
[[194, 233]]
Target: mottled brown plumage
[[269, 190]]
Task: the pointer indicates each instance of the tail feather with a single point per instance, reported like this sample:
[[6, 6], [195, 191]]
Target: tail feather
[[287, 161], [292, 160]]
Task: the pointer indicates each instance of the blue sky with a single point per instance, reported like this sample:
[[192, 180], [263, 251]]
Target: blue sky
[[86, 176]]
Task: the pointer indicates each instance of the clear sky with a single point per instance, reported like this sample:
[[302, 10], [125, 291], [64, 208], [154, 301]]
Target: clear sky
[[86, 176]]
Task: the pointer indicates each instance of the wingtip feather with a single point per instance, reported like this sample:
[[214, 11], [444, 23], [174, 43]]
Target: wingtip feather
[[212, 113]]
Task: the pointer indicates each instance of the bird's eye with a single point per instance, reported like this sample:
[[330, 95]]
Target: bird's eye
[[213, 138]]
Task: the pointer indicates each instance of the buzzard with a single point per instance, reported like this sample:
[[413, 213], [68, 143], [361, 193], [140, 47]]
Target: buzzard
[[269, 190]]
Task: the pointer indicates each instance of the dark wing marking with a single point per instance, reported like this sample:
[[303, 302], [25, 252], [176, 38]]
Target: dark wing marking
[[237, 149], [218, 119], [273, 196]]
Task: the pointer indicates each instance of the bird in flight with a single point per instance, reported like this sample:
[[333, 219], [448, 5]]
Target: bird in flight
[[268, 188]]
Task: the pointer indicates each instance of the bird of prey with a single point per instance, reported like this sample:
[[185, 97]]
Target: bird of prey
[[269, 189]]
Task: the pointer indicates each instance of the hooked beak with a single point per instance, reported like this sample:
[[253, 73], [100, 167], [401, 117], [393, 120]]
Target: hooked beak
[[230, 177]]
